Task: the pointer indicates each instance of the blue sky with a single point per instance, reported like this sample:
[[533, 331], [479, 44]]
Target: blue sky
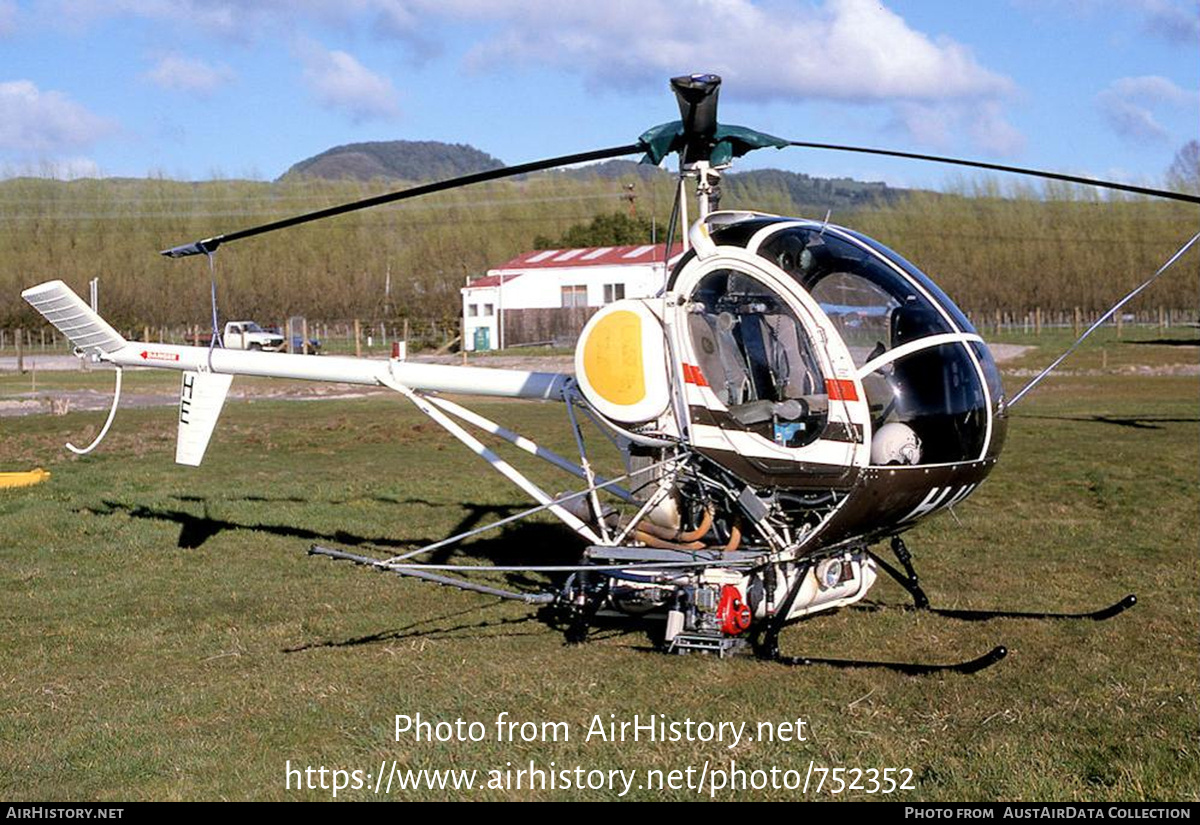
[[192, 89]]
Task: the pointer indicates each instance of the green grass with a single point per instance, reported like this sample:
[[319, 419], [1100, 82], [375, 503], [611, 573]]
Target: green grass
[[164, 635]]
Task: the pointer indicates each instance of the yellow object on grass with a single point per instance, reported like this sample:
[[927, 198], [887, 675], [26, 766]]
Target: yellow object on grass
[[23, 479]]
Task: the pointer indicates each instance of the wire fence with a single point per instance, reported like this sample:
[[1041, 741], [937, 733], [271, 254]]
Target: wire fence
[[366, 338]]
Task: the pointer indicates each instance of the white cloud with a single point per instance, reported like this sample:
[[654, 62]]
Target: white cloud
[[992, 132], [1173, 21], [338, 81], [45, 123], [186, 74], [1128, 106], [941, 125], [241, 20], [845, 51], [8, 17], [217, 17], [856, 52]]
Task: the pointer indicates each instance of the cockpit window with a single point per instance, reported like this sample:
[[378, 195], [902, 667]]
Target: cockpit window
[[928, 405], [932, 396], [757, 358], [874, 308], [920, 277]]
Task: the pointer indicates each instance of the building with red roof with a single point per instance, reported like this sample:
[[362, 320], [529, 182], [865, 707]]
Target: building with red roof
[[546, 296]]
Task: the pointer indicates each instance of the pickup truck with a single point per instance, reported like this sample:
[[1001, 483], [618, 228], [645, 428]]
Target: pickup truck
[[249, 335]]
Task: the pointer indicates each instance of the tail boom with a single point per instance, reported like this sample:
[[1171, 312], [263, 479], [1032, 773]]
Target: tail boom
[[92, 335], [340, 369]]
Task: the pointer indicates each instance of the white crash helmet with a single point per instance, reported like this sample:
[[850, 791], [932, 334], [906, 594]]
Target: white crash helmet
[[895, 443]]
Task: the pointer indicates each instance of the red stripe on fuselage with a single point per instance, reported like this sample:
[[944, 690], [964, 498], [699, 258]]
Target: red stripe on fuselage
[[840, 389], [692, 375]]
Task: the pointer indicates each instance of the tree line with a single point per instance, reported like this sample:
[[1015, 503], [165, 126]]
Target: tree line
[[990, 248]]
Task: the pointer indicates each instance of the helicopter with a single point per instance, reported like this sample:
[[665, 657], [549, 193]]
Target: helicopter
[[796, 394]]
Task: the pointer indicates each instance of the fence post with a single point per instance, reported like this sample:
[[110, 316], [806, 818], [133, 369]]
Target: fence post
[[20, 354], [357, 339]]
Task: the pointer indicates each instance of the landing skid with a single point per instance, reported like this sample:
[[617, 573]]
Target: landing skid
[[766, 648], [907, 578], [911, 668]]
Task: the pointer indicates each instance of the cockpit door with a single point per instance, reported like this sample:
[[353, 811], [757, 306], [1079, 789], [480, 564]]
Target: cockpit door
[[768, 383]]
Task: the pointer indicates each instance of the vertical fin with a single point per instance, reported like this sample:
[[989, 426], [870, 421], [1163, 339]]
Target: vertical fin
[[201, 397]]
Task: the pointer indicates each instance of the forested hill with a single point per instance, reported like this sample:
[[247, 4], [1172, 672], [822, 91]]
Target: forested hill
[[761, 186], [832, 193], [411, 160]]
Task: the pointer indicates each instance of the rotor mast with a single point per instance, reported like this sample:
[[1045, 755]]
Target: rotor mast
[[697, 96]]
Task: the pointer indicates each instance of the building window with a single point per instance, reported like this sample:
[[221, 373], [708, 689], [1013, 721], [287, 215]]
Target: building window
[[488, 310], [472, 310], [574, 296], [613, 292]]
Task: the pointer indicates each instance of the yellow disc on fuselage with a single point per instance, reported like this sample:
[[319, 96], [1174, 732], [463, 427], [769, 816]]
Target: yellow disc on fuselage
[[620, 362], [612, 358]]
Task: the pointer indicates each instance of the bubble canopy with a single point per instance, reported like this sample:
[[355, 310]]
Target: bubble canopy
[[921, 363]]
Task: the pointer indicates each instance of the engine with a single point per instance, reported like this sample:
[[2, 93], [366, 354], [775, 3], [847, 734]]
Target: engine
[[714, 609]]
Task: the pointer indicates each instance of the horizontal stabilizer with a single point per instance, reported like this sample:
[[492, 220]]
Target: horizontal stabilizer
[[201, 396], [73, 318]]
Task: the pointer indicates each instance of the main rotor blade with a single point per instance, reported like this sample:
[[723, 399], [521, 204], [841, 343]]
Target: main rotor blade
[[1017, 170], [210, 244]]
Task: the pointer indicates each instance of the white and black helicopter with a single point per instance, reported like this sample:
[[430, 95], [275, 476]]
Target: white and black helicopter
[[797, 394]]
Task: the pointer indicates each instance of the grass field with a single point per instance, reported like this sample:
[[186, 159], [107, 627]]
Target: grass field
[[164, 635]]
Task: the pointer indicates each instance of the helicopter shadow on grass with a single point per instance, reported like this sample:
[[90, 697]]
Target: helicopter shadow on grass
[[429, 629], [1137, 422], [195, 530], [522, 543], [432, 629], [1170, 342], [261, 499]]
